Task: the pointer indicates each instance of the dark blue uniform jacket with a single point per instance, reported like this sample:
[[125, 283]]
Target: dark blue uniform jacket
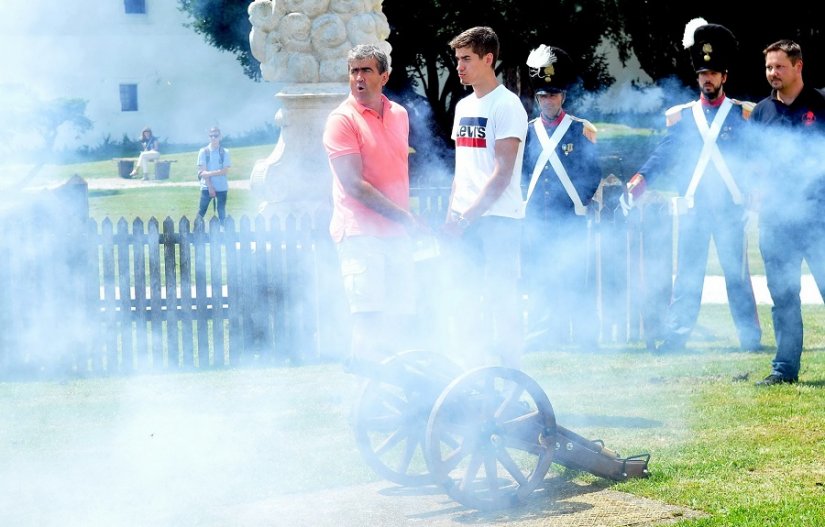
[[676, 156], [578, 154]]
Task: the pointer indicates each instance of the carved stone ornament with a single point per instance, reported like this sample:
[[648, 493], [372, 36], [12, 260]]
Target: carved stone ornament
[[306, 41]]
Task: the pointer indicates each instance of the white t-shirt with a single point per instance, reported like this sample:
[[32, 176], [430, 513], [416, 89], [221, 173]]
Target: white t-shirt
[[478, 124]]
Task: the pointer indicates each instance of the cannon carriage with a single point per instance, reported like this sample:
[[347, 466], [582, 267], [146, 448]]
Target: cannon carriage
[[487, 436]]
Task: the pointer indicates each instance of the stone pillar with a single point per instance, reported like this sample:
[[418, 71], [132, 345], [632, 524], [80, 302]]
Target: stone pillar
[[295, 178], [302, 46]]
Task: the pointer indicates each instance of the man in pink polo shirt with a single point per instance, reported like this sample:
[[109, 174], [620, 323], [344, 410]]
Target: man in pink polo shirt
[[366, 138]]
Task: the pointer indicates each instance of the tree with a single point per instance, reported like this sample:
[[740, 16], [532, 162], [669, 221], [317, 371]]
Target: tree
[[225, 25], [421, 30], [428, 64], [57, 112], [30, 126], [654, 33]]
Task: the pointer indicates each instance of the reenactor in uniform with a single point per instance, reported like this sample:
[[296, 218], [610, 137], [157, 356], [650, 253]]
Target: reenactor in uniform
[[702, 151], [562, 172]]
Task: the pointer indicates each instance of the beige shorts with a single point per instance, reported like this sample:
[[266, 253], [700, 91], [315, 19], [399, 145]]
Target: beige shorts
[[379, 274]]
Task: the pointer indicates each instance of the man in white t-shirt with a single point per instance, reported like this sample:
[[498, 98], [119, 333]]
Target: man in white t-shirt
[[486, 206]]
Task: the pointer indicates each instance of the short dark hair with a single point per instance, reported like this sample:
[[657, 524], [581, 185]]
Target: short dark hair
[[368, 51], [791, 49], [481, 39]]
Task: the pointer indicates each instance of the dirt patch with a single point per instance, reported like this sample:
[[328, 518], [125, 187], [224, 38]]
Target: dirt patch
[[560, 503]]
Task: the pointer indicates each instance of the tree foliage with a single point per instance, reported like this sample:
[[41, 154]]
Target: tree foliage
[[421, 30], [225, 25], [31, 125], [654, 33]]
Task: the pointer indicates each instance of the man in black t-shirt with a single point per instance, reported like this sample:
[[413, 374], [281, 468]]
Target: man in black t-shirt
[[791, 130]]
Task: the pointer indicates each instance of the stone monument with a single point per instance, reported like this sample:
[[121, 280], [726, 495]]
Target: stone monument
[[302, 46]]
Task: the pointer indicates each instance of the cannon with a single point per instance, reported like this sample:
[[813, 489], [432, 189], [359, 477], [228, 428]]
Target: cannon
[[487, 436]]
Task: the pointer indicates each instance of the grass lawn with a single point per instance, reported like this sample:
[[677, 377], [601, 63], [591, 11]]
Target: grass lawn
[[173, 449], [177, 449], [157, 199]]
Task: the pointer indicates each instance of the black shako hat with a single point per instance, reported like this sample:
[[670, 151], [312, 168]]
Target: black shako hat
[[711, 46], [551, 69]]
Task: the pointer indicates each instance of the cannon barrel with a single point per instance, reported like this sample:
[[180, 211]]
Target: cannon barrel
[[579, 453]]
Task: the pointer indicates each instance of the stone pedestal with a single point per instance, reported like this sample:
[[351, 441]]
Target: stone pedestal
[[295, 178]]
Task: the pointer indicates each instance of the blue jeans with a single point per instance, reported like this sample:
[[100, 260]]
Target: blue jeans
[[220, 197], [783, 247]]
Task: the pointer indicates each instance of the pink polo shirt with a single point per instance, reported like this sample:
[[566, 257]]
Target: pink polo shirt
[[383, 144]]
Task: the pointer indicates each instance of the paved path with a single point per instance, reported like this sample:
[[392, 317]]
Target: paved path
[[714, 291], [117, 182]]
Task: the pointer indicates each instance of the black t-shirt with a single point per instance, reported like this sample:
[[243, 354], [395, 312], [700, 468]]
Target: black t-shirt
[[790, 145]]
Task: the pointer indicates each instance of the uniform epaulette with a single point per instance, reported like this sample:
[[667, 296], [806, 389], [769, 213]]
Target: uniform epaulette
[[588, 129], [674, 113], [747, 107]]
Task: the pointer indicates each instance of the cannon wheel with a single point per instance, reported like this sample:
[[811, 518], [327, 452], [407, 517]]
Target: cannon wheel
[[490, 438], [390, 418]]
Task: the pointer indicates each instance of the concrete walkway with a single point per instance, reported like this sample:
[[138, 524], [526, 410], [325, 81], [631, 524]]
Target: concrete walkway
[[714, 291], [117, 182]]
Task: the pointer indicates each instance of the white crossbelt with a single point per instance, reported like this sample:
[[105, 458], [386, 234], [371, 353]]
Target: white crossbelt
[[548, 153], [710, 152]]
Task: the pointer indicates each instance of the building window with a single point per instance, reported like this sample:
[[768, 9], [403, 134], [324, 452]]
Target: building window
[[135, 7], [128, 98]]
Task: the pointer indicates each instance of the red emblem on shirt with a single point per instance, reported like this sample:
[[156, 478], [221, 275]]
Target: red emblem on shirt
[[809, 118]]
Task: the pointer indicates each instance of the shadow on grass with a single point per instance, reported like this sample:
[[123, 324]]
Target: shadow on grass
[[102, 193]]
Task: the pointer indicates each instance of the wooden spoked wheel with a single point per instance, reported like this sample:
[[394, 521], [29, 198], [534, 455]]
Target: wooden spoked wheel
[[490, 438], [390, 417]]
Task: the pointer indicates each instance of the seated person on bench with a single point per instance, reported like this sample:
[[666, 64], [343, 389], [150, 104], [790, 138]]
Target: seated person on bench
[[149, 153]]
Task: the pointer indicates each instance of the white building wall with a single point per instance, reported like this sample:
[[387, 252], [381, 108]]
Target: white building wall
[[86, 48]]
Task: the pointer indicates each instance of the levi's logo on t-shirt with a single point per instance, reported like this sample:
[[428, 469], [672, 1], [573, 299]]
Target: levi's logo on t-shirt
[[472, 132]]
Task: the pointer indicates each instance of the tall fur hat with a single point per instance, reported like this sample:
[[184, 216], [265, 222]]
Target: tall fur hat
[[551, 69], [711, 46]]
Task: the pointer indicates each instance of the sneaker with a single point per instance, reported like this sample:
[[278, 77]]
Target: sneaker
[[775, 378]]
